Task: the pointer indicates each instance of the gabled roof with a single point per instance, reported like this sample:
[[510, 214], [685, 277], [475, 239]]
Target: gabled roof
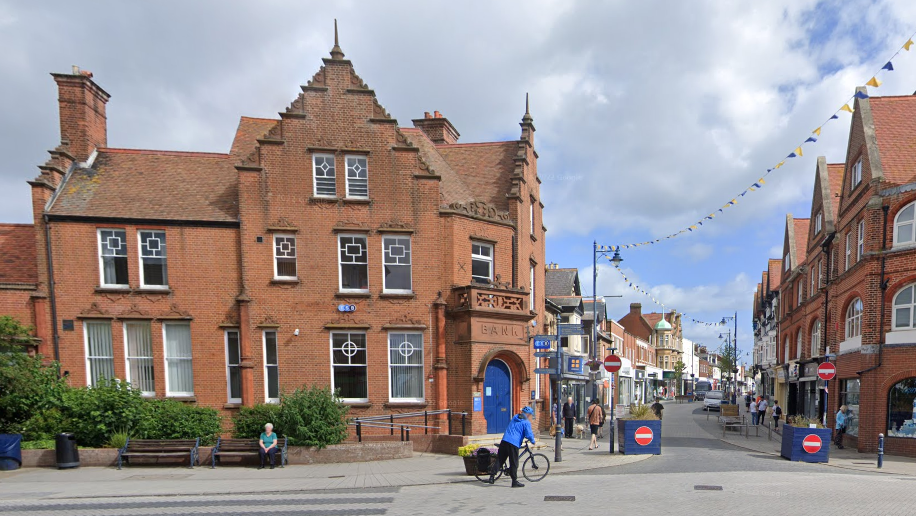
[[895, 127], [567, 301], [247, 134], [152, 185], [801, 240], [452, 186], [774, 274], [835, 175], [17, 254], [562, 282], [485, 168], [587, 309]]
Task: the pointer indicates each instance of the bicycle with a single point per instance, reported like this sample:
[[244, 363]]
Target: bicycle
[[534, 468]]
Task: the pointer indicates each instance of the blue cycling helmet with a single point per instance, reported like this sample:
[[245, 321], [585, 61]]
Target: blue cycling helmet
[[527, 410]]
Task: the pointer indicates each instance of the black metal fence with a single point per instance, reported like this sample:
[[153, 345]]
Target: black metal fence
[[391, 422]]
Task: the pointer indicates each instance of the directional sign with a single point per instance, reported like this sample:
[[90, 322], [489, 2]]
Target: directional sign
[[574, 365], [812, 443], [545, 354], [570, 329], [612, 363], [540, 343], [644, 436], [826, 371], [545, 337], [545, 370]]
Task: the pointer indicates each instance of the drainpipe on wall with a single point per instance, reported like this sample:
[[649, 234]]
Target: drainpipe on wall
[[54, 332], [882, 284], [440, 365]]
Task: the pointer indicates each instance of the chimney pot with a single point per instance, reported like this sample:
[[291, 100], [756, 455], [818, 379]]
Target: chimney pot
[[86, 73], [438, 114], [426, 114], [75, 69]]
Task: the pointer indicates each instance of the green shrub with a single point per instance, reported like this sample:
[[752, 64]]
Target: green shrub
[[27, 388], [94, 413], [250, 421], [171, 419], [312, 416], [46, 444], [118, 439], [44, 425]]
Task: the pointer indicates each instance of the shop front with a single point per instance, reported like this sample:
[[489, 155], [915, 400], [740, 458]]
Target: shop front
[[809, 392], [640, 386], [625, 383]]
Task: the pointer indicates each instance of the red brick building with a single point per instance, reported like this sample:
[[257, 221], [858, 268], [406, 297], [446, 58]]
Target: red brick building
[[850, 280], [329, 246]]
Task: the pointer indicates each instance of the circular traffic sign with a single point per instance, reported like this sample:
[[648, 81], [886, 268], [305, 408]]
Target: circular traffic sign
[[612, 363], [812, 443], [644, 435], [826, 371]]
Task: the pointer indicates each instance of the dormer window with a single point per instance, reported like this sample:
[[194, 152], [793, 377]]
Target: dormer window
[[786, 261], [818, 223], [856, 174]]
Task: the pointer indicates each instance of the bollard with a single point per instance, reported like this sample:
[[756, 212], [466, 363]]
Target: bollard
[[449, 421], [425, 422], [463, 418], [880, 450], [359, 431], [408, 434], [402, 432], [769, 432]]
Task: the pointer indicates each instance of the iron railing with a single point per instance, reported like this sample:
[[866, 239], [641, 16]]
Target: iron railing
[[388, 421]]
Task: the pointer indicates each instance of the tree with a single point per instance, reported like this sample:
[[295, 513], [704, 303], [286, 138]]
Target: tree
[[678, 374], [13, 333]]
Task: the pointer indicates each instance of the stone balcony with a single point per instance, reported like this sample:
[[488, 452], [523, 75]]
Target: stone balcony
[[491, 301]]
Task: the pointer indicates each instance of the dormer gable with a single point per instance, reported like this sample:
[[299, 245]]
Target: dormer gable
[[863, 161]]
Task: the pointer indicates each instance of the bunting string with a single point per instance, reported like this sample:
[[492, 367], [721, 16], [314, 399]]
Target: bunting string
[[646, 293], [874, 82]]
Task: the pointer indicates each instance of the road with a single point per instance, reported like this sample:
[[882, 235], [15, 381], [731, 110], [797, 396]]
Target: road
[[739, 482]]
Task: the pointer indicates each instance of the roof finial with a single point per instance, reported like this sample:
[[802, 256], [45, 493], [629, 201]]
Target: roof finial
[[527, 118], [336, 52]]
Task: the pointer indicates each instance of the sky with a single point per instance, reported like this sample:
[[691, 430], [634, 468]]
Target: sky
[[649, 115]]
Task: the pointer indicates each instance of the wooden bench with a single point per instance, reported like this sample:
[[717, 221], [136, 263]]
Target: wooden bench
[[740, 423], [243, 447], [160, 448], [683, 399]]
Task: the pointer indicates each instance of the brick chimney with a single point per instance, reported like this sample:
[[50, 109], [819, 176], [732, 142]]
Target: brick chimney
[[83, 124], [437, 128], [636, 309]]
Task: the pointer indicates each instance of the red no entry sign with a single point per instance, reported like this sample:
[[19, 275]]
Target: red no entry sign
[[644, 435], [812, 443], [826, 371], [612, 363]]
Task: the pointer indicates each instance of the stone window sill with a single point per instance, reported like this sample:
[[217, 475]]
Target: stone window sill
[[285, 281], [186, 399], [406, 404], [349, 200], [353, 294], [153, 290], [358, 404], [332, 200]]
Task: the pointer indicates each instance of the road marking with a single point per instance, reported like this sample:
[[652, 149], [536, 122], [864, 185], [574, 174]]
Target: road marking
[[559, 498], [707, 488]]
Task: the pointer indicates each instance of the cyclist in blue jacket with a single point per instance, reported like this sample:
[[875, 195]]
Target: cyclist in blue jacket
[[519, 429]]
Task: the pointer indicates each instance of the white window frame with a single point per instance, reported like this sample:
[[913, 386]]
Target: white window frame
[[347, 171], [856, 174], [786, 261], [820, 273], [854, 319], [294, 257], [911, 222], [166, 358], [531, 216], [816, 338], [531, 291], [366, 263], [799, 340], [128, 357], [911, 306], [90, 381], [315, 174], [421, 367], [848, 250], [812, 290], [141, 257], [480, 257], [818, 222], [860, 248], [801, 290], [102, 261], [331, 350], [264, 333], [785, 350], [229, 398], [409, 265]]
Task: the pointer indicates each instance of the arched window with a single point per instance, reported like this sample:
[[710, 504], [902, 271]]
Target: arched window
[[901, 421], [798, 345], [905, 226], [904, 308], [816, 338], [854, 319]]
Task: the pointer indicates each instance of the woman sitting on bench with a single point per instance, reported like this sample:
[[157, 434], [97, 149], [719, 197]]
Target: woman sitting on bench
[[268, 443]]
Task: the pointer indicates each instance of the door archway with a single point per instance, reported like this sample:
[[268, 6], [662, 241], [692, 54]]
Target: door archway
[[497, 396]]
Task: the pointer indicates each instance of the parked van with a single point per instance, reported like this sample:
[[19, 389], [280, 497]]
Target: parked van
[[702, 387]]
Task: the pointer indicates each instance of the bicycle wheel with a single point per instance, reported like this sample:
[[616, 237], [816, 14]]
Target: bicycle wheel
[[485, 477], [536, 467]]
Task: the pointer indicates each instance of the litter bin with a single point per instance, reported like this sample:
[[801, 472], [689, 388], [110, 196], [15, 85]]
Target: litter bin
[[10, 452], [67, 454]]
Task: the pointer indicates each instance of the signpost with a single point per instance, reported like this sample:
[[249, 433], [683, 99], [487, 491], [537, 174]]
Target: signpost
[[826, 371], [812, 443], [612, 363], [566, 330], [545, 370], [644, 436], [542, 342]]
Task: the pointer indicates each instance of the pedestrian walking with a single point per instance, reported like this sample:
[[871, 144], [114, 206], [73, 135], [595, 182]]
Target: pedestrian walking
[[752, 407], [840, 427], [747, 402], [657, 409], [569, 416], [595, 420], [777, 411], [761, 410]]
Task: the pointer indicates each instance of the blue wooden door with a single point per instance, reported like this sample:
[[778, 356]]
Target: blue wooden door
[[497, 397]]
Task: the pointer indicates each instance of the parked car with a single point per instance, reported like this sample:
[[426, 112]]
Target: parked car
[[713, 400]]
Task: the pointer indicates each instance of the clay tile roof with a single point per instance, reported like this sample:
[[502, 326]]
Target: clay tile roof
[[560, 282], [801, 239], [895, 125], [484, 167], [453, 189], [652, 318], [774, 274], [152, 185], [17, 254], [247, 134], [835, 175]]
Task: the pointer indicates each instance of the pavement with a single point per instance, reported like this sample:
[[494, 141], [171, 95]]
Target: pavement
[[698, 472], [421, 469]]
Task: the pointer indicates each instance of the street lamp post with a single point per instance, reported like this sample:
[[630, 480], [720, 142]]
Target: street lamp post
[[603, 251], [734, 341]]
